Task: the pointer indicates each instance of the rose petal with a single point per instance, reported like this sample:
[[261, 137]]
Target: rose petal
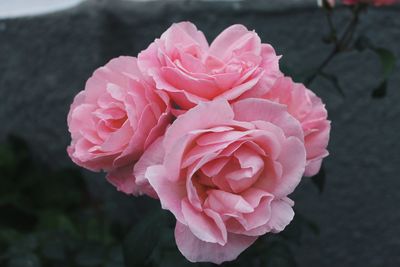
[[204, 227], [169, 193], [124, 180], [196, 250]]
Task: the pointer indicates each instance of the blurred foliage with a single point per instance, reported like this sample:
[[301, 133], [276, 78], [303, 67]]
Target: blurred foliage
[[48, 218], [387, 60], [342, 41]]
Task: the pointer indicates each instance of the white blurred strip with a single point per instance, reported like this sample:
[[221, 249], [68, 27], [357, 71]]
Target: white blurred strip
[[21, 8]]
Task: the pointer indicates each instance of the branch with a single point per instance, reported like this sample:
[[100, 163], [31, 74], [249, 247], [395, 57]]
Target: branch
[[340, 45]]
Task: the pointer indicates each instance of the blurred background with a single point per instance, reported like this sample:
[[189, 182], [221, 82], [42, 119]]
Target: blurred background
[[55, 214]]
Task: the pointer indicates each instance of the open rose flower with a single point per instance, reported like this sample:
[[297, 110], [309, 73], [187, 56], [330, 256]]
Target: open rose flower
[[309, 110], [114, 120], [371, 2], [184, 65], [225, 172]]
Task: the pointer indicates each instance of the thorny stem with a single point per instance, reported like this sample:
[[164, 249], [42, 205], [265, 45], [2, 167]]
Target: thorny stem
[[340, 45]]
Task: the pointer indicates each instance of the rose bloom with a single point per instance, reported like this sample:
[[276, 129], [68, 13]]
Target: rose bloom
[[114, 120], [309, 110], [373, 2], [184, 65], [225, 172]]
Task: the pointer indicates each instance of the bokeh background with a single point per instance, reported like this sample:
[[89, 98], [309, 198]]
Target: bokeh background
[[46, 59]]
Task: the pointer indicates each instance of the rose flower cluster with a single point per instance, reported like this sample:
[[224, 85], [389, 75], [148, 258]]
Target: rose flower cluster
[[215, 131]]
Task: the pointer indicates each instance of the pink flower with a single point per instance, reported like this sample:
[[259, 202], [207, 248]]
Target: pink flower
[[225, 172], [309, 110], [114, 120], [184, 65], [372, 2]]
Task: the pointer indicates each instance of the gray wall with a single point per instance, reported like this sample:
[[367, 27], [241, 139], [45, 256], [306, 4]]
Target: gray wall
[[44, 62]]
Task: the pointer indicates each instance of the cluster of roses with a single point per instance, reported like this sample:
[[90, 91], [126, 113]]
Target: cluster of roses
[[216, 132], [332, 3]]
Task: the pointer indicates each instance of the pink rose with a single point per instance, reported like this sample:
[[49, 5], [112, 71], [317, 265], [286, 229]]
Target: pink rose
[[225, 173], [309, 110], [372, 2], [184, 65], [114, 120]]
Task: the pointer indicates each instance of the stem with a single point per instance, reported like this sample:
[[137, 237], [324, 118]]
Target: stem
[[331, 24], [340, 45], [320, 68]]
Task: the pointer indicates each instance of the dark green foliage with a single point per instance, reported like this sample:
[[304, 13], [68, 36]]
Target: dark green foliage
[[49, 219], [47, 216], [143, 239], [387, 60]]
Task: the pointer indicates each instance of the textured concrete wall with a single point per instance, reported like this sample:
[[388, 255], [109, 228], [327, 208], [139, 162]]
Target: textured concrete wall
[[44, 62]]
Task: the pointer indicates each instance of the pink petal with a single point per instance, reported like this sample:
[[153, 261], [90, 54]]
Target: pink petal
[[281, 215], [78, 100], [119, 139], [135, 142], [249, 158], [196, 250], [124, 180], [254, 196], [232, 39], [183, 33], [293, 160], [225, 202], [182, 98], [222, 136], [153, 155], [206, 228], [240, 89], [313, 166], [203, 116], [185, 82], [212, 168], [169, 193], [257, 109]]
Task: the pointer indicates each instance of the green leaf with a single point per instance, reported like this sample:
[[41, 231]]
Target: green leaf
[[319, 179], [55, 220], [388, 60], [115, 258], [96, 230], [8, 236], [380, 91], [91, 255], [143, 239], [25, 260], [54, 249]]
